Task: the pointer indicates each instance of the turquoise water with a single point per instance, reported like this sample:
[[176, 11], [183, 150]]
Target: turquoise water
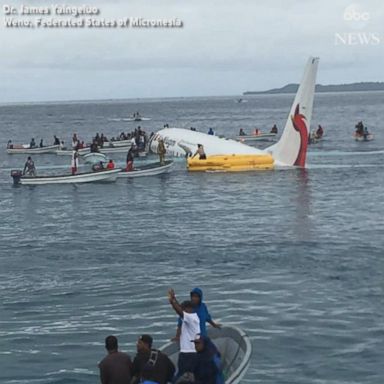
[[293, 257]]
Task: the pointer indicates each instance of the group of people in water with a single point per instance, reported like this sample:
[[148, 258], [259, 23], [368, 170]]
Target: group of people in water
[[199, 360]]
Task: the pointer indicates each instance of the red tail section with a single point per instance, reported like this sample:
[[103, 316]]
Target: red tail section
[[300, 125]]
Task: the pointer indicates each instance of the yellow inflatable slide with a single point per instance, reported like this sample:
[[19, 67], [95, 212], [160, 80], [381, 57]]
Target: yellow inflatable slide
[[231, 163]]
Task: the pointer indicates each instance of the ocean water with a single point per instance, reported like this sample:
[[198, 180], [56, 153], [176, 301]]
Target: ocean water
[[293, 257]]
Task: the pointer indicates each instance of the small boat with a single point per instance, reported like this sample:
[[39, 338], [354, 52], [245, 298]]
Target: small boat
[[258, 137], [26, 150], [121, 149], [120, 143], [94, 157], [69, 152], [241, 101], [137, 118], [235, 349], [314, 138], [368, 137], [87, 177], [148, 170]]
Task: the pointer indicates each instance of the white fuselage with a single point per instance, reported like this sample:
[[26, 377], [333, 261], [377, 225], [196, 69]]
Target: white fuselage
[[179, 142]]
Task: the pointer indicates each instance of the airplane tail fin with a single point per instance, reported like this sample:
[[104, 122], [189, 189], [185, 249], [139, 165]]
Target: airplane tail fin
[[291, 149]]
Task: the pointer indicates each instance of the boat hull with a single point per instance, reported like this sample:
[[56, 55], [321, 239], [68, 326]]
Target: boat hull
[[105, 175], [232, 163], [69, 152], [94, 157], [369, 137], [251, 138], [235, 349], [137, 119], [33, 151], [120, 149], [148, 170]]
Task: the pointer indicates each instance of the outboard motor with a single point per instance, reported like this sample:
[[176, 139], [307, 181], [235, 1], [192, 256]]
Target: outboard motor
[[16, 174]]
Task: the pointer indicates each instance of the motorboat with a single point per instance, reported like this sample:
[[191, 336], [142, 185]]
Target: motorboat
[[137, 118], [69, 152], [94, 157], [25, 149], [366, 137], [235, 349], [86, 177], [148, 170]]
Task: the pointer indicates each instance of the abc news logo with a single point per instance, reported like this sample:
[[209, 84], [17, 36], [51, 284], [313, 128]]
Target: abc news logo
[[351, 14], [359, 19]]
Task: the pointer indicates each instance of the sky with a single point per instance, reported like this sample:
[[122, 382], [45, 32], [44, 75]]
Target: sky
[[225, 47]]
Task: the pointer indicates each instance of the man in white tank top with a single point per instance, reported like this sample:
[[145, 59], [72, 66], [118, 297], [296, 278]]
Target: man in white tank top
[[189, 330]]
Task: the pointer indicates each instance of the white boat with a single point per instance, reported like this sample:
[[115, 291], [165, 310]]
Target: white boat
[[87, 177], [235, 349], [120, 143], [368, 137], [259, 137], [94, 157], [148, 170], [121, 149], [105, 149], [69, 152], [139, 118], [26, 150]]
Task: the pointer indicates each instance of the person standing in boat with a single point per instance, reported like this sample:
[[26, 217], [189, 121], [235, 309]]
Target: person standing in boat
[[41, 145], [161, 151], [116, 367], [56, 140], [242, 133], [359, 129], [75, 161], [208, 368], [151, 366], [32, 144], [75, 141], [200, 151], [190, 329], [130, 158], [274, 129], [29, 167], [319, 132], [201, 309], [94, 147]]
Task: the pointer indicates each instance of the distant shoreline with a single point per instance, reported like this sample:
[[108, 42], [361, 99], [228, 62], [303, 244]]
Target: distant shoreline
[[353, 87]]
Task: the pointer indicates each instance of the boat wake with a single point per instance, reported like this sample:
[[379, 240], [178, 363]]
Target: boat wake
[[342, 166], [344, 153]]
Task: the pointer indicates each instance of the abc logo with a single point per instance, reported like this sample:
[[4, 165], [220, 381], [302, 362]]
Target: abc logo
[[354, 13]]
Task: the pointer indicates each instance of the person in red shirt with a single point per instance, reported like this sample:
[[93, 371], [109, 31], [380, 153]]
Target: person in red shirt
[[111, 164]]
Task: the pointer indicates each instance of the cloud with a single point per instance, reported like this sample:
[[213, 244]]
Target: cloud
[[224, 47]]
